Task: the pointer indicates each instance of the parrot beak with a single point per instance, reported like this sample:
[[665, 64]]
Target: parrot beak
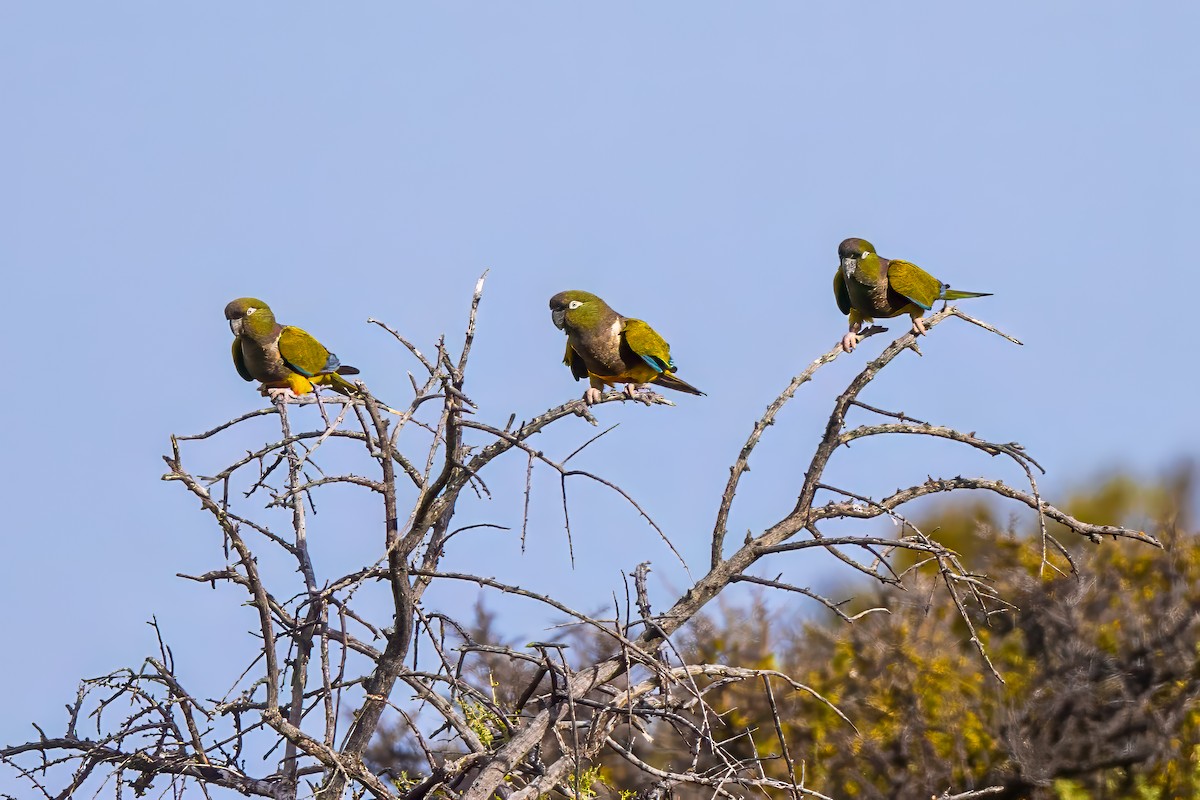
[[560, 318], [235, 325]]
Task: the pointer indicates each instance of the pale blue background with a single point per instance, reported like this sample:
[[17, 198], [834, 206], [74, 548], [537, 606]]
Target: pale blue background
[[694, 163]]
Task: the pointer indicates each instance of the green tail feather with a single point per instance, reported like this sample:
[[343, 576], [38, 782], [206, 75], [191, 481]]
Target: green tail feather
[[345, 387], [342, 386], [954, 294], [668, 380]]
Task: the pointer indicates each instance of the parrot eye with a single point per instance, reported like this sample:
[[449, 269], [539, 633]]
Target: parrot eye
[[250, 311], [574, 304]]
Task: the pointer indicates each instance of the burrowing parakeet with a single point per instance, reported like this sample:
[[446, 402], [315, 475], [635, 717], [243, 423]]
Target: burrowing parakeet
[[281, 357], [867, 286], [607, 348]]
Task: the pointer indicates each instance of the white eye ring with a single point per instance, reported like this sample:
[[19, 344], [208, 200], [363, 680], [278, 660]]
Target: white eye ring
[[574, 304], [250, 310]]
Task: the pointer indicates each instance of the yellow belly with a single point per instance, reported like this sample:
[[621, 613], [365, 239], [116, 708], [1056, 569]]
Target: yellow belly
[[638, 373]]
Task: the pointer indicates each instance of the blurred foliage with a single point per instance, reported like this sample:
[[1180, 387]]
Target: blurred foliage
[[1101, 693], [1101, 670]]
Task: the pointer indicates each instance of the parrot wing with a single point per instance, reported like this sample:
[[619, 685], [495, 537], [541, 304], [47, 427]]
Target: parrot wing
[[840, 291], [239, 361], [914, 283], [304, 354], [645, 342], [572, 360]]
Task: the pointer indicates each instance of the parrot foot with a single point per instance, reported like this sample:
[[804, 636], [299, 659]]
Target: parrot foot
[[643, 393], [277, 392], [592, 396], [918, 326], [850, 341]]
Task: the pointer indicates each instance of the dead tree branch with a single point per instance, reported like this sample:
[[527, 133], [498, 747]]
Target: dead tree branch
[[332, 667]]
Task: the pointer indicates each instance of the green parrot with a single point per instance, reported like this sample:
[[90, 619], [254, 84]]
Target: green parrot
[[867, 286], [281, 357], [606, 348]]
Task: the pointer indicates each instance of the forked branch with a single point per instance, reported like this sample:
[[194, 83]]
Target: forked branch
[[333, 665]]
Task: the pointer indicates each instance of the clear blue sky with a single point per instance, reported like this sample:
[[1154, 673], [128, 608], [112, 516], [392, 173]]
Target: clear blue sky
[[694, 163]]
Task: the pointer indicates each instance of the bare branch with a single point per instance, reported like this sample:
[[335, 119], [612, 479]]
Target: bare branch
[[407, 672]]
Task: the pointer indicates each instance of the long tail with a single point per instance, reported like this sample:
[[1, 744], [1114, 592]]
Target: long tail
[[345, 387], [669, 380], [341, 385], [954, 294]]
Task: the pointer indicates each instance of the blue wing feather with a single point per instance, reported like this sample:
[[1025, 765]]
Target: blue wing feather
[[657, 365], [331, 365]]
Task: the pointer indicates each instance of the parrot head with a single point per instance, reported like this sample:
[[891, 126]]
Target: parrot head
[[851, 253], [576, 309], [249, 315]]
